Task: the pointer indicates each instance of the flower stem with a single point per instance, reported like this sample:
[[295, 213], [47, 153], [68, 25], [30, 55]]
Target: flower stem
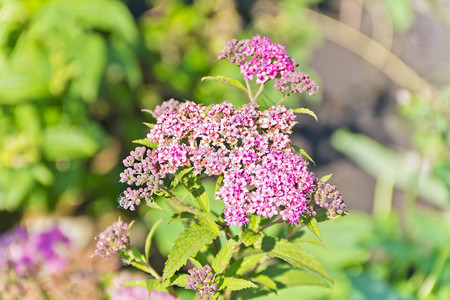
[[250, 94], [258, 93], [268, 225], [281, 100]]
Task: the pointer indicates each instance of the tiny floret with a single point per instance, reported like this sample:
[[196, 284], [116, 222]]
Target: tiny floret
[[116, 237]]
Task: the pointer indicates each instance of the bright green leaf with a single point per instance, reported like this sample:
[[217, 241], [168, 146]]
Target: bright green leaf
[[249, 262], [249, 237], [218, 183], [313, 226], [178, 177], [298, 257], [326, 177], [145, 143], [266, 281], [305, 111], [227, 80], [290, 277], [155, 205], [194, 185], [303, 152], [207, 221], [223, 257], [152, 284], [149, 125], [188, 243], [195, 262], [236, 284], [148, 240], [254, 221]]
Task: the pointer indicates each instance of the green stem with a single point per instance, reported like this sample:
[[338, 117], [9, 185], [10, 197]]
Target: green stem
[[279, 220], [250, 94], [258, 93], [281, 100]]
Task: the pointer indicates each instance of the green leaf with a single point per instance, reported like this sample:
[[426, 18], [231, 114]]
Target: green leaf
[[145, 143], [307, 240], [195, 262], [305, 111], [303, 152], [223, 257], [249, 262], [255, 220], [136, 283], [266, 282], [227, 80], [326, 177], [141, 266], [313, 226], [152, 284], [236, 284], [298, 257], [149, 125], [188, 243], [194, 185], [63, 141], [289, 277], [218, 183], [178, 177], [148, 240], [249, 237], [136, 255], [207, 221], [155, 205], [179, 280]]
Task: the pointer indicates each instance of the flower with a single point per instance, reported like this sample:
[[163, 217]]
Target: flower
[[114, 238], [202, 280], [250, 148], [268, 61], [27, 253]]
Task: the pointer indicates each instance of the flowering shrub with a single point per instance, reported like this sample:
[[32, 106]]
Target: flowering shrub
[[261, 178]]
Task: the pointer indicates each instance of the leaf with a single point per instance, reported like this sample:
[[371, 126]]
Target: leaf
[[135, 283], [188, 243], [249, 262], [266, 281], [223, 257], [194, 185], [305, 111], [149, 125], [249, 237], [195, 262], [145, 143], [148, 240], [298, 257], [236, 284], [294, 277], [312, 241], [141, 266], [152, 284], [313, 226], [207, 221], [254, 222], [326, 177], [178, 177], [179, 280], [61, 142], [153, 204], [218, 183], [227, 80], [303, 152]]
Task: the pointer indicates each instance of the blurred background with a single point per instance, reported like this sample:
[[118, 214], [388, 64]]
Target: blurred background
[[74, 76]]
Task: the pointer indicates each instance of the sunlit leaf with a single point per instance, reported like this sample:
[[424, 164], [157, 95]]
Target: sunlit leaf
[[222, 258], [148, 240], [305, 111], [188, 243], [227, 80], [236, 284]]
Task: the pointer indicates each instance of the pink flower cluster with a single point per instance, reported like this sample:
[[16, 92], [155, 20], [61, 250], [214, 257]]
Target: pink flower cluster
[[267, 61], [202, 280], [113, 239], [250, 148]]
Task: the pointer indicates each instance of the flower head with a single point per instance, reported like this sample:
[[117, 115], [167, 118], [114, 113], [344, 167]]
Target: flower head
[[202, 280], [114, 238]]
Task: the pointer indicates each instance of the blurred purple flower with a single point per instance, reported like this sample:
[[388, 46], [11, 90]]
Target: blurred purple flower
[[26, 253]]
